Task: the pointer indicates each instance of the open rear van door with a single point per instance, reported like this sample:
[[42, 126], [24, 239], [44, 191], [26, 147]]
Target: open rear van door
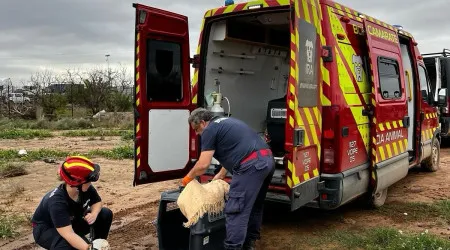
[[165, 143]]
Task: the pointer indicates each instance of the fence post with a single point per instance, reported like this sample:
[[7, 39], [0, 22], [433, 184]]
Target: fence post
[[9, 103]]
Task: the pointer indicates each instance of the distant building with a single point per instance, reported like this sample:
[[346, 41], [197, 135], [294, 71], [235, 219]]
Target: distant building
[[62, 88]]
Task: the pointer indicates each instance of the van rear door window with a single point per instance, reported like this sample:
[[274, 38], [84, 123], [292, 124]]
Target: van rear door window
[[388, 71], [164, 75]]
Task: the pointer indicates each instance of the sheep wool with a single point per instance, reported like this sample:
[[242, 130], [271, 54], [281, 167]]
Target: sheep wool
[[197, 199]]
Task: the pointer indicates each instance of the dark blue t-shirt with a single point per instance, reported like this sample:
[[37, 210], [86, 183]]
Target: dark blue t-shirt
[[57, 209], [232, 141]]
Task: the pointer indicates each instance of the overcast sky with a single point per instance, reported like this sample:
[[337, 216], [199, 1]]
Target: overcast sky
[[61, 34]]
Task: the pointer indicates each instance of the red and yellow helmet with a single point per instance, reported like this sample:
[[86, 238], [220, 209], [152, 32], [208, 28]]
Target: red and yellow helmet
[[77, 170]]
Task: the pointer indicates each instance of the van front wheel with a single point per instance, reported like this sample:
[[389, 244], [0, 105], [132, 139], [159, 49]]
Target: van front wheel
[[432, 163]]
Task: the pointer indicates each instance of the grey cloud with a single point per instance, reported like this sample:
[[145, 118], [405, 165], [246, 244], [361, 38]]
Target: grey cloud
[[62, 34], [426, 20]]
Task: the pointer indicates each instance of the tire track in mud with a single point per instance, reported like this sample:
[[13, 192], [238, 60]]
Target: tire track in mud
[[134, 229]]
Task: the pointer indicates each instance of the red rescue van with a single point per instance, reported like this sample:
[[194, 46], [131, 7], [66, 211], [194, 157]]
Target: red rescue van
[[344, 99]]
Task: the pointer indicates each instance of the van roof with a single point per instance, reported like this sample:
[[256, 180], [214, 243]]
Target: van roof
[[342, 9]]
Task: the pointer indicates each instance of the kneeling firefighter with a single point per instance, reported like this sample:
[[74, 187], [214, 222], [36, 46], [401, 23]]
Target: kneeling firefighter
[[241, 151], [73, 209]]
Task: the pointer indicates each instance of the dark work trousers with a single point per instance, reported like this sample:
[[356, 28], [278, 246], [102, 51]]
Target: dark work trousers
[[49, 238], [244, 207]]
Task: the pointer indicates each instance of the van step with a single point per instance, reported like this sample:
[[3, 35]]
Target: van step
[[278, 197]]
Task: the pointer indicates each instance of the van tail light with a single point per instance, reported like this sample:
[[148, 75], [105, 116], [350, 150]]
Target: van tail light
[[328, 156], [142, 16]]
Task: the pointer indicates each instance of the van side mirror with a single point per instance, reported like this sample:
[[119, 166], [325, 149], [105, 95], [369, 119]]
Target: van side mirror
[[442, 97]]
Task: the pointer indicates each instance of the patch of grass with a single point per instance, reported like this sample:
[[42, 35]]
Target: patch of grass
[[97, 132], [123, 152], [69, 123], [388, 238], [377, 239], [123, 121], [417, 211], [444, 209], [24, 134], [127, 135], [6, 123], [9, 225], [12, 169]]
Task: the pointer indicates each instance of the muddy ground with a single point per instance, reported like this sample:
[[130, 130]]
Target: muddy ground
[[135, 208]]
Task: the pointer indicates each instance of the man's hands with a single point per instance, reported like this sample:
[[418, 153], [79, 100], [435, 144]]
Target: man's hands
[[199, 167], [221, 175], [90, 218]]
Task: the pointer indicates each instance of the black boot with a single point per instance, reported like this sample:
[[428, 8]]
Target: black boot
[[249, 245]]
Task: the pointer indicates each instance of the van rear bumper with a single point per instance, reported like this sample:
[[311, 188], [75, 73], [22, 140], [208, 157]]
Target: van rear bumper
[[336, 190]]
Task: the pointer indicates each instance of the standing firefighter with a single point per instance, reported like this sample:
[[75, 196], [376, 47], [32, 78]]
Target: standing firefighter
[[245, 154], [68, 212]]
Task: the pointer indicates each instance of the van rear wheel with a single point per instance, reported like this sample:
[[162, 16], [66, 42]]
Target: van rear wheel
[[432, 163], [378, 199]]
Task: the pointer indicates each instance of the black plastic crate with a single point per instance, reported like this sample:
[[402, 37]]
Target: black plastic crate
[[207, 234]]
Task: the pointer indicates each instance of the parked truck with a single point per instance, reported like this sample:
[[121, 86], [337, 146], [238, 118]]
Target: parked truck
[[344, 99], [438, 67]]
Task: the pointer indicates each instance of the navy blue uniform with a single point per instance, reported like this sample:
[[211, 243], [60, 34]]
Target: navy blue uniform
[[247, 156], [57, 209]]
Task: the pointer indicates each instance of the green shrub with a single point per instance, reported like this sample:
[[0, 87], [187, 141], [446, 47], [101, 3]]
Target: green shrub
[[12, 169], [24, 134], [9, 225]]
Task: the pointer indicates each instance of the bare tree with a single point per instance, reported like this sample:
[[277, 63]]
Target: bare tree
[[97, 89], [122, 79], [49, 91]]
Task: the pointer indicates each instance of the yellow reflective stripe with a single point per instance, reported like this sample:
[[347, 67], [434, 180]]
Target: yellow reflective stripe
[[306, 176], [395, 148], [295, 178], [395, 124], [69, 165], [306, 11], [297, 8], [291, 105], [388, 149], [382, 154], [388, 125], [289, 182], [316, 172]]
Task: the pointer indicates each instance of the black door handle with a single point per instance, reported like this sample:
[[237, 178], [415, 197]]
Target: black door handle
[[367, 112]]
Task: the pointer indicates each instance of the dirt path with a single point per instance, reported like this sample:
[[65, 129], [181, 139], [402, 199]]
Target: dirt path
[[135, 208], [70, 144]]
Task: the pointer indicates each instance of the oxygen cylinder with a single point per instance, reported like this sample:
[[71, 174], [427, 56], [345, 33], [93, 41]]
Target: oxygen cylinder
[[217, 109]]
